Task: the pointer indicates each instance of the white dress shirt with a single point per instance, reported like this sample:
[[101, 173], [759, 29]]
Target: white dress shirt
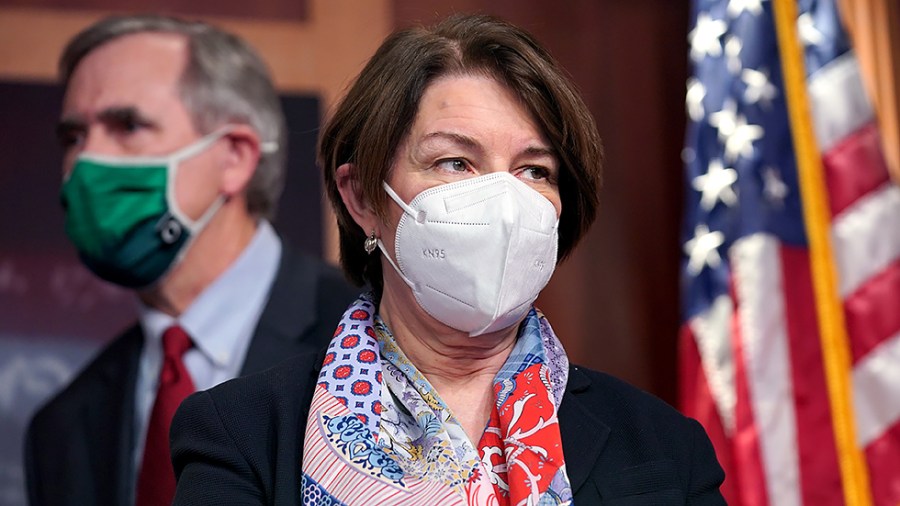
[[220, 321]]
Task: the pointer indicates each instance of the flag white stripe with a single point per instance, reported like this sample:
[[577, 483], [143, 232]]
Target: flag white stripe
[[712, 332], [758, 282], [875, 380], [838, 100], [866, 238]]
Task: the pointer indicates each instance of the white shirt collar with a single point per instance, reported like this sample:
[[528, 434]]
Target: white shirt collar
[[227, 310]]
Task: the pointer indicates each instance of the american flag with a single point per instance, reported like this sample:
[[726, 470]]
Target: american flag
[[790, 343]]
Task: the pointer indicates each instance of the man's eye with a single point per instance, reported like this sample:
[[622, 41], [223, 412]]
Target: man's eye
[[125, 121], [128, 125], [69, 138]]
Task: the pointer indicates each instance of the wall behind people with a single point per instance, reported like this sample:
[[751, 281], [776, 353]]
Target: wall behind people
[[614, 302]]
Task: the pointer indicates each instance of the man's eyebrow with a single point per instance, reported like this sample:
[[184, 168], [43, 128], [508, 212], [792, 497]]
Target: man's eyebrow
[[115, 114], [70, 124], [118, 114]]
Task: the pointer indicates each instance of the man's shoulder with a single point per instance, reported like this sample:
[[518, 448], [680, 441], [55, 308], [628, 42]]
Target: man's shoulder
[[113, 365], [326, 277], [305, 303], [311, 284]]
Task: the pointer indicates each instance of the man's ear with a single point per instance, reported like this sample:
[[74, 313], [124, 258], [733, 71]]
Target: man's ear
[[351, 194], [241, 159]]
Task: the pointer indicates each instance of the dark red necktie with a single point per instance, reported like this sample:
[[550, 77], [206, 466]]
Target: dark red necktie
[[156, 481]]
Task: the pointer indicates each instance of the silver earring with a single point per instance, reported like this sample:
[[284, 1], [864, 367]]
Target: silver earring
[[371, 243]]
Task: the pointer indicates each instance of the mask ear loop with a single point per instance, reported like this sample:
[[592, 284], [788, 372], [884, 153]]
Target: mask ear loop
[[396, 269], [194, 227], [175, 159], [419, 216]]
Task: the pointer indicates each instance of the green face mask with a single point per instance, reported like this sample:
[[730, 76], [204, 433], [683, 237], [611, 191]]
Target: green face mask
[[122, 216]]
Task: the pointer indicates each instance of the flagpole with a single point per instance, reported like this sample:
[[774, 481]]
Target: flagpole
[[832, 327]]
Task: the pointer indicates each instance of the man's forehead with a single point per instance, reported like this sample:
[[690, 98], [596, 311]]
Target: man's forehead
[[148, 42], [135, 70]]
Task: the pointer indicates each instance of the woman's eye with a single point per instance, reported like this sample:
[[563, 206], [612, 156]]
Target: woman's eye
[[453, 165], [535, 173]]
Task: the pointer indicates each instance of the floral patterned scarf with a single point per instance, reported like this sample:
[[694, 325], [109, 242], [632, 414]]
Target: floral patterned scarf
[[378, 432]]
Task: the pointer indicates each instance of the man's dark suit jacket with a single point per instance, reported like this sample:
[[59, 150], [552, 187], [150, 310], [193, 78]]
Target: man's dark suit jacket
[[242, 442], [79, 446]]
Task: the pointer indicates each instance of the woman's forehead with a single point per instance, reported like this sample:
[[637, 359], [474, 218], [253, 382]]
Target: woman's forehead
[[474, 109]]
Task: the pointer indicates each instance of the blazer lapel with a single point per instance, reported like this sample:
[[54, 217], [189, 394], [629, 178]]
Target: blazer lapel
[[289, 312], [583, 434], [110, 418]]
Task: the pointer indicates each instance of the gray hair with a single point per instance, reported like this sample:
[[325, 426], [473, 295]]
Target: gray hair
[[225, 81]]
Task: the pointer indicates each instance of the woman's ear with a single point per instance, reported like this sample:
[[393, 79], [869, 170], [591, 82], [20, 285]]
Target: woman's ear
[[356, 204], [241, 159]]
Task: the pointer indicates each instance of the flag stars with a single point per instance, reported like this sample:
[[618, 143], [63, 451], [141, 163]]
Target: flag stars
[[740, 142], [809, 34], [702, 250], [716, 185], [774, 189], [733, 46], [725, 119], [737, 7], [704, 38], [759, 88], [696, 92], [734, 131]]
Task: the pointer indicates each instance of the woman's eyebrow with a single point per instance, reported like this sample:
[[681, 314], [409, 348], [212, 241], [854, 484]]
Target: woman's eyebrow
[[454, 138], [539, 151]]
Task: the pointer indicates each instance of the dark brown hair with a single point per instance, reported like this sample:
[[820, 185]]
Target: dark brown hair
[[376, 114]]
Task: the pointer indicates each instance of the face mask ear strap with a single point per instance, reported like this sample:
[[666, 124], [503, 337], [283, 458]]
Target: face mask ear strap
[[403, 205], [390, 260], [200, 146], [174, 160]]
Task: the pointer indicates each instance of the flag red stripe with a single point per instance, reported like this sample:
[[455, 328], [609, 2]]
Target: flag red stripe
[[747, 455], [697, 401], [820, 476], [873, 311], [883, 458], [854, 167]]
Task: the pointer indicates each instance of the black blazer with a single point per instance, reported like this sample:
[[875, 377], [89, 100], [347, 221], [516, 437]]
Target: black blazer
[[242, 442], [78, 447]]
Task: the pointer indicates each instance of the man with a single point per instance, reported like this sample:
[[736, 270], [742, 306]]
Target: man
[[174, 160]]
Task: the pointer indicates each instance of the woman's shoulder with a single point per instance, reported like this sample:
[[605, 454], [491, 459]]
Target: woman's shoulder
[[252, 427], [635, 420], [278, 386], [629, 442], [249, 403], [606, 393]]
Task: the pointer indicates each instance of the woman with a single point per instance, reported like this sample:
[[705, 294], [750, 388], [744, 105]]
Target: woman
[[463, 166]]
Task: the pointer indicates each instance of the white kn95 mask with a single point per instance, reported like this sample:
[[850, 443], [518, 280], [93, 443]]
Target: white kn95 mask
[[476, 253]]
